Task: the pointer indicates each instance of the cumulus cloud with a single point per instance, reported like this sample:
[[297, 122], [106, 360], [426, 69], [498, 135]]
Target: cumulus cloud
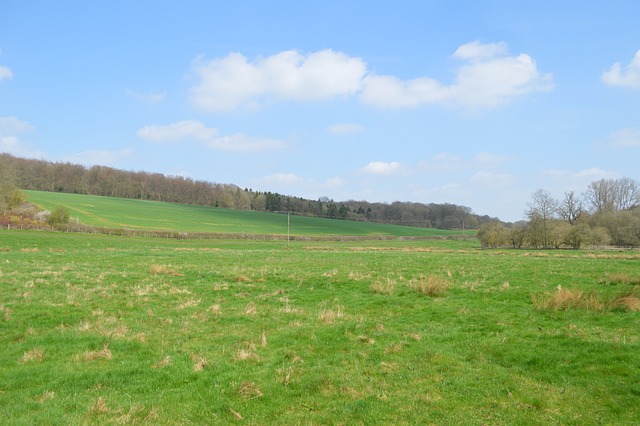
[[186, 129], [488, 77], [149, 98], [381, 168], [345, 128], [234, 81], [626, 138], [195, 130], [624, 76]]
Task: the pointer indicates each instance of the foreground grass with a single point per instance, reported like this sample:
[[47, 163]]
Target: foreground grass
[[97, 329]]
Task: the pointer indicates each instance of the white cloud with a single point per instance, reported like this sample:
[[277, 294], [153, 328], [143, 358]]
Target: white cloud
[[381, 168], [5, 72], [99, 157], [149, 98], [345, 128], [186, 129], [195, 130], [477, 50], [12, 126], [234, 81], [628, 76], [241, 142], [626, 138], [488, 78]]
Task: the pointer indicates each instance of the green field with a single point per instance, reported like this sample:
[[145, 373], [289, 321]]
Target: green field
[[98, 329], [152, 215]]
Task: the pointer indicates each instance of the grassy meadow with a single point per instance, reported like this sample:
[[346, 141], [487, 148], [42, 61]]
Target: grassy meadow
[[98, 329]]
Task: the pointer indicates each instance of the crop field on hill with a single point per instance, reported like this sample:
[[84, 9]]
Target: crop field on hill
[[110, 330], [152, 215]]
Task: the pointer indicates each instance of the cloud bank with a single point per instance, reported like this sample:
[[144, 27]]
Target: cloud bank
[[488, 76]]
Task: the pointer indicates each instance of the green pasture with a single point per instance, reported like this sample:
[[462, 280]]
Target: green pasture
[[99, 329], [156, 216]]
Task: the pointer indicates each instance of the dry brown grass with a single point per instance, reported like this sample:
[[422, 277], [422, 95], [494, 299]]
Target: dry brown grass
[[102, 354], [163, 362], [163, 270], [383, 286], [563, 299], [620, 278], [251, 309], [626, 302], [242, 279], [430, 285], [99, 407], [30, 250], [36, 355], [46, 396], [329, 316], [249, 390], [199, 362]]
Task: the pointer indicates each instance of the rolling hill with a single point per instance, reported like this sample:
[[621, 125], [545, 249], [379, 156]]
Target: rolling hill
[[146, 215]]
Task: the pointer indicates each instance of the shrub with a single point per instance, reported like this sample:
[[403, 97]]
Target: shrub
[[59, 216]]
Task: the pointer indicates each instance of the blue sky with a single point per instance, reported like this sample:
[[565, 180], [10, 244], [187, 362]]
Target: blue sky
[[476, 103]]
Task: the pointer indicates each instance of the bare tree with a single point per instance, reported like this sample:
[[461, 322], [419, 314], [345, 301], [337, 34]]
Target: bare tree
[[627, 194], [541, 213], [608, 195], [570, 208]]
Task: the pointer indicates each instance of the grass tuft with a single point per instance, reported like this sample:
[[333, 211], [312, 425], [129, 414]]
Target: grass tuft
[[103, 353], [431, 285], [383, 286], [46, 396], [163, 270], [36, 355], [620, 278], [249, 390], [199, 362], [163, 362], [563, 299]]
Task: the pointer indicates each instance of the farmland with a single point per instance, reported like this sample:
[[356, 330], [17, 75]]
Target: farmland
[[99, 329], [152, 215]]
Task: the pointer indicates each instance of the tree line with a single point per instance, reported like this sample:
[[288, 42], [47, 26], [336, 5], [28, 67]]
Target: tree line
[[606, 213], [40, 175]]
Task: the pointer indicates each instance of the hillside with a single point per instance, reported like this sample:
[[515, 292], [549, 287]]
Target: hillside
[[147, 215], [40, 175]]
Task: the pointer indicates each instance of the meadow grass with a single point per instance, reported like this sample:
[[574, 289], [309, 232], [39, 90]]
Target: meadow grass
[[111, 330]]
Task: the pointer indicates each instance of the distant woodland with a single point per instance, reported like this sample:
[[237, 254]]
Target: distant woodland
[[39, 175]]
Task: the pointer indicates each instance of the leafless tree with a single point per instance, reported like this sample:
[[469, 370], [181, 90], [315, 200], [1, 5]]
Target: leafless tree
[[570, 208]]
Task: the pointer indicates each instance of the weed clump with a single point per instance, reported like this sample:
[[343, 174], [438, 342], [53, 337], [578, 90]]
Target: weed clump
[[431, 285], [565, 299], [383, 286]]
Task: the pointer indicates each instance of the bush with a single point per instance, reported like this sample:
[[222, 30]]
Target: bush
[[59, 216]]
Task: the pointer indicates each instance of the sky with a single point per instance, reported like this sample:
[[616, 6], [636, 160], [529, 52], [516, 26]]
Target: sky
[[475, 103]]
